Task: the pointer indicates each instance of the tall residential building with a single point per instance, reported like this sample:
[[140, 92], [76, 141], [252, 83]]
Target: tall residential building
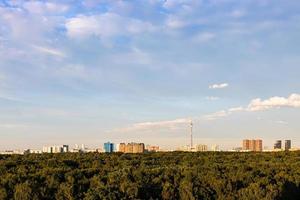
[[56, 149], [215, 147], [201, 147], [278, 144], [132, 147], [246, 145], [108, 147], [65, 148], [252, 145], [258, 145], [122, 147], [45, 149], [287, 145]]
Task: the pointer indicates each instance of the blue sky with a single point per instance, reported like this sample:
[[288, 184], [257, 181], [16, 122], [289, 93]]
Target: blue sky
[[96, 70]]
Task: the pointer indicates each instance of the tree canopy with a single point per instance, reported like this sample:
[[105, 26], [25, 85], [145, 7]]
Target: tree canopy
[[171, 175]]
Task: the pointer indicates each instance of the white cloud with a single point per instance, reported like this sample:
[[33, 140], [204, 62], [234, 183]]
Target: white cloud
[[39, 7], [223, 113], [105, 25], [255, 105], [175, 23], [20, 26], [281, 122], [216, 115], [274, 102], [171, 4], [236, 109], [219, 86], [211, 98], [146, 126]]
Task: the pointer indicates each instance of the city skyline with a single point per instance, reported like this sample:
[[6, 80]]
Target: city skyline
[[95, 70], [246, 145]]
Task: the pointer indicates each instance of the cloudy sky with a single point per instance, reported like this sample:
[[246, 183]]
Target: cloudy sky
[[96, 70]]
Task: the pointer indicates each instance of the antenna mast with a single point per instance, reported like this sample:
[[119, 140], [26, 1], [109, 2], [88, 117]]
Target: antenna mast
[[191, 147]]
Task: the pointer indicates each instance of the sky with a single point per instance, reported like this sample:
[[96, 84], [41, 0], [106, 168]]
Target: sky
[[91, 71]]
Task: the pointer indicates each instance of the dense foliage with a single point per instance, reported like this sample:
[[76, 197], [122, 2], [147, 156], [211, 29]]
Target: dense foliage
[[175, 175]]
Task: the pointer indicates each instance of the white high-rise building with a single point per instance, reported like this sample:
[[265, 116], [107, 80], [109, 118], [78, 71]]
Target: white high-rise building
[[65, 148], [201, 147], [118, 147], [56, 149], [215, 147]]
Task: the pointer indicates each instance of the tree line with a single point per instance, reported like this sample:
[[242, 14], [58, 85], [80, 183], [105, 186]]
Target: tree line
[[170, 175]]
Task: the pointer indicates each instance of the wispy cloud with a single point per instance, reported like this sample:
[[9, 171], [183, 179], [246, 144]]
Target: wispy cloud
[[212, 98], [216, 115], [274, 102], [175, 22], [218, 86], [13, 126], [204, 37], [282, 122], [222, 113], [149, 59], [148, 126], [293, 101], [49, 51], [105, 25], [40, 7]]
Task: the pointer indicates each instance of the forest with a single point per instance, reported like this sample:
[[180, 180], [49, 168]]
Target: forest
[[163, 175]]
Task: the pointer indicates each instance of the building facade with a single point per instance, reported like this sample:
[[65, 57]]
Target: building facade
[[287, 145], [246, 145], [56, 149], [132, 147], [253, 145], [215, 147], [201, 147], [108, 147], [150, 148], [278, 144]]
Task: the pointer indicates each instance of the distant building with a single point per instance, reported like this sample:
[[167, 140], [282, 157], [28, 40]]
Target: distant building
[[201, 147], [287, 145], [122, 147], [108, 147], [150, 148], [65, 148], [215, 147], [132, 147], [34, 151], [258, 145], [56, 149], [184, 148], [252, 145], [246, 145], [47, 149], [278, 144], [11, 152]]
